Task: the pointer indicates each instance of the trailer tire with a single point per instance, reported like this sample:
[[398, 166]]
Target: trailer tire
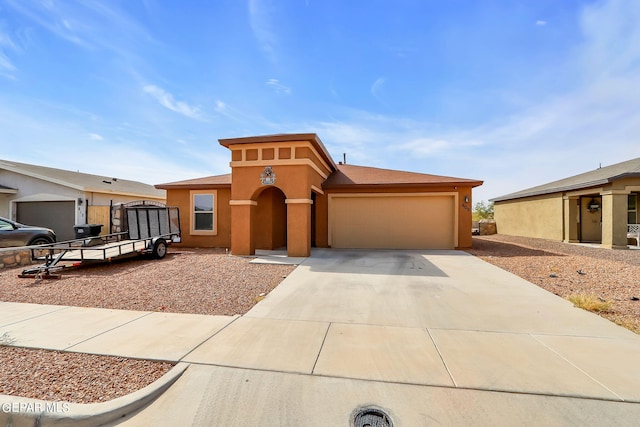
[[159, 249]]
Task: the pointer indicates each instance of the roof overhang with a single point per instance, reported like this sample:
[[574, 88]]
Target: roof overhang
[[7, 190], [562, 189], [381, 186]]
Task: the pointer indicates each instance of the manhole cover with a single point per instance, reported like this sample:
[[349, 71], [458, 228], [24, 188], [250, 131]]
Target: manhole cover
[[371, 417]]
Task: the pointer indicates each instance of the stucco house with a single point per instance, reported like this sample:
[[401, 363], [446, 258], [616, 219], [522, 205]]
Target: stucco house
[[600, 206], [59, 199], [287, 191]]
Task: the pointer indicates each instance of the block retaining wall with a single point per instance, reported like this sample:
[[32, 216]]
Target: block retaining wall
[[14, 258]]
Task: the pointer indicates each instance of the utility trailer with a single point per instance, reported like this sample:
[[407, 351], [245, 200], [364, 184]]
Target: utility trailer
[[151, 228]]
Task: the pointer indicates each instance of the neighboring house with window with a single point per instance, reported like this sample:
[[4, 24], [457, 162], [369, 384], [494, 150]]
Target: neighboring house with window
[[59, 199], [286, 191], [600, 206]]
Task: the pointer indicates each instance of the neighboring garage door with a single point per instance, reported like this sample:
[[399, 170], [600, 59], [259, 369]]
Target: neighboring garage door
[[59, 216], [392, 221]]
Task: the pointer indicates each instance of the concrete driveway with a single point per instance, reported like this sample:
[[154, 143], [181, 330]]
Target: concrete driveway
[[427, 337]]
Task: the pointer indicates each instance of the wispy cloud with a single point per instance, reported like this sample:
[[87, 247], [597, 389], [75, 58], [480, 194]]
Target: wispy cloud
[[95, 137], [7, 68], [166, 100], [278, 87], [260, 19], [541, 23], [376, 87], [88, 24]]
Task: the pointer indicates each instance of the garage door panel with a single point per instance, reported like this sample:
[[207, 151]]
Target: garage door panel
[[59, 216], [394, 222]]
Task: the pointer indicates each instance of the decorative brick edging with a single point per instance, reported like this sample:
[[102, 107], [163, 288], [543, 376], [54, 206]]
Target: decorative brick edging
[[14, 258]]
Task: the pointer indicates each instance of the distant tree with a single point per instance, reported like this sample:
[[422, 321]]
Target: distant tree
[[483, 210]]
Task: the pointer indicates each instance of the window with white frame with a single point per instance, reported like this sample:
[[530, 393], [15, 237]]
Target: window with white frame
[[203, 212], [632, 209]]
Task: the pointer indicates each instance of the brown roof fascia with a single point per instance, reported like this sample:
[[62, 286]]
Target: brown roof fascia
[[285, 137], [191, 186], [356, 186], [216, 181]]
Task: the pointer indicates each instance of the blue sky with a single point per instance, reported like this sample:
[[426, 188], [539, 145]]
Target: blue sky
[[513, 92]]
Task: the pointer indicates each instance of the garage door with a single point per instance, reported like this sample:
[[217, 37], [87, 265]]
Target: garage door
[[392, 222], [59, 216]]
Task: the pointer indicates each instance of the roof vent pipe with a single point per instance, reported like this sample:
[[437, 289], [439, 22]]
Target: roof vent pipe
[[344, 158]]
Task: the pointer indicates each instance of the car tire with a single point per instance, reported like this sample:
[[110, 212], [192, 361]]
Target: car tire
[[39, 241], [159, 249]]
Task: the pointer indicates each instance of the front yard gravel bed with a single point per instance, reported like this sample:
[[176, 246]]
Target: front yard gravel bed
[[73, 377], [200, 281], [570, 269]]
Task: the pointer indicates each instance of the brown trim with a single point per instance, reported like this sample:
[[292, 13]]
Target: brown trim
[[191, 186], [309, 137], [403, 185]]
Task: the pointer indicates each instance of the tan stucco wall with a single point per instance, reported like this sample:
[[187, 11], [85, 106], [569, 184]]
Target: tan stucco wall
[[322, 224], [182, 199], [539, 216]]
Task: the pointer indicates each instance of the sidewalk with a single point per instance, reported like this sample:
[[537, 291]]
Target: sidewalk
[[425, 336]]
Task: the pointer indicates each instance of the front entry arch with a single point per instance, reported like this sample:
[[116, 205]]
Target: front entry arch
[[270, 220]]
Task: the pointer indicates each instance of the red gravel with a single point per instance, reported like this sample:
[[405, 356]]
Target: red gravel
[[202, 281]]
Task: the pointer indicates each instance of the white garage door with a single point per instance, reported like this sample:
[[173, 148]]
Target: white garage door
[[392, 221]]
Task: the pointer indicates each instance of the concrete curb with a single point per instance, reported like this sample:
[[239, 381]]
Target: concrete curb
[[16, 411]]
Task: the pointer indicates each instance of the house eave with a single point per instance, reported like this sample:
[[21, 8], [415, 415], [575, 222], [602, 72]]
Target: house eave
[[124, 193], [192, 186], [523, 195], [382, 186]]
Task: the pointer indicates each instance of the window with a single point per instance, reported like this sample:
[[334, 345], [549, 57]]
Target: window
[[632, 209], [203, 212]]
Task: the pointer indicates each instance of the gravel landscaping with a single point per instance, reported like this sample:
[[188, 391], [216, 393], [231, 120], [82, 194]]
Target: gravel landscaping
[[199, 281], [209, 282], [73, 377], [570, 270], [202, 281]]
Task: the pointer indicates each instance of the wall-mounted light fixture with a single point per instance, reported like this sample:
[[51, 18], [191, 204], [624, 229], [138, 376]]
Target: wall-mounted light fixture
[[466, 199], [80, 201], [593, 205]]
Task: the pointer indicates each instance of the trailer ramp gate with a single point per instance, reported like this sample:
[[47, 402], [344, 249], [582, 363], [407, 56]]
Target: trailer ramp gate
[[145, 222]]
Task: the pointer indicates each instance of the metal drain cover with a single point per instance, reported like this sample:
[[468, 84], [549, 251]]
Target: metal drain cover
[[371, 416]]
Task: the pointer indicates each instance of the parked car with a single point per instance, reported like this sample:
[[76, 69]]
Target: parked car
[[15, 234]]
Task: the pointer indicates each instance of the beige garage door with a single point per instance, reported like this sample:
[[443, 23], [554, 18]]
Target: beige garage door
[[392, 222]]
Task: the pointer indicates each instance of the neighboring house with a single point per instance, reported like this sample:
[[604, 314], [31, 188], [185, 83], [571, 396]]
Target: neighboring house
[[597, 207], [286, 191], [60, 199]]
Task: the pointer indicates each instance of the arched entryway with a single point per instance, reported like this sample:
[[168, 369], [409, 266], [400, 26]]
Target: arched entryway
[[270, 220]]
